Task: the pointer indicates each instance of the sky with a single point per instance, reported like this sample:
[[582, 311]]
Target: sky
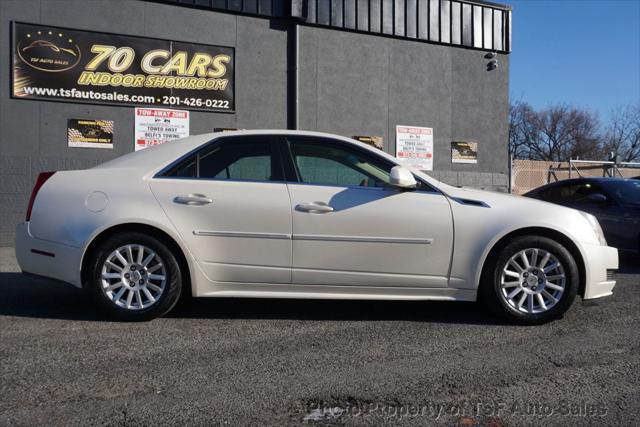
[[579, 52]]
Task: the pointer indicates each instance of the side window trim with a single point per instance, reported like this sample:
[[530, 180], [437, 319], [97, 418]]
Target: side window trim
[[288, 165]]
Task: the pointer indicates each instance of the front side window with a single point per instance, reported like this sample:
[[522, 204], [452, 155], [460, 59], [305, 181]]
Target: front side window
[[327, 163], [229, 160]]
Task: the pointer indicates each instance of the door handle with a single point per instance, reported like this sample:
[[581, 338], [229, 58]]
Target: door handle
[[194, 199], [314, 207]]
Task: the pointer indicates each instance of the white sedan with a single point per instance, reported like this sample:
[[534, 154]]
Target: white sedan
[[287, 214]]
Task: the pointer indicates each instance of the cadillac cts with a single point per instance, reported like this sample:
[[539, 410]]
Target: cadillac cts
[[286, 214]]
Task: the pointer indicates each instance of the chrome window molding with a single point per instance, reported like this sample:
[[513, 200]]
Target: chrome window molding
[[195, 178], [358, 187]]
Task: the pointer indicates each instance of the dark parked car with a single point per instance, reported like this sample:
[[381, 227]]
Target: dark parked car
[[614, 201]]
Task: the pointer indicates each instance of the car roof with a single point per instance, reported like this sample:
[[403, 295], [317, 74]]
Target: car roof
[[596, 179], [600, 179]]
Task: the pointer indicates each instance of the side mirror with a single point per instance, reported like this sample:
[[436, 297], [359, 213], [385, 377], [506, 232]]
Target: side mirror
[[402, 177], [597, 198]]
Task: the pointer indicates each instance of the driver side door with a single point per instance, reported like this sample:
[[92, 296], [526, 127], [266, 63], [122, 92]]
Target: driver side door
[[349, 227]]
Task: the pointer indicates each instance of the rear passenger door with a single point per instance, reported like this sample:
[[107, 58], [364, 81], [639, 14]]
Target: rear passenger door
[[229, 202]]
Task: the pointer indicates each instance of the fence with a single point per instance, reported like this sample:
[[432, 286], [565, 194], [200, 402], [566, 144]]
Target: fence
[[529, 174]]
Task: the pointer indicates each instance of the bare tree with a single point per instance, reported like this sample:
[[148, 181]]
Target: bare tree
[[564, 132], [519, 129], [557, 133], [622, 135]]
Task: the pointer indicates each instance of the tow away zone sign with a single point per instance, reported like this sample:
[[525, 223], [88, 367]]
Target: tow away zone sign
[[158, 125], [414, 146]]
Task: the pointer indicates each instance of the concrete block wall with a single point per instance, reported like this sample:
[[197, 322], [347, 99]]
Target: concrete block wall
[[481, 180]]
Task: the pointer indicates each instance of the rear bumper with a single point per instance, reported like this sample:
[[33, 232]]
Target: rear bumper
[[48, 259], [599, 259]]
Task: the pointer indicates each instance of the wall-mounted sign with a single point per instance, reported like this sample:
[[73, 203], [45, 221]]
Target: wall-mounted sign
[[82, 133], [374, 141], [414, 147], [464, 152], [158, 125], [225, 129], [59, 64]]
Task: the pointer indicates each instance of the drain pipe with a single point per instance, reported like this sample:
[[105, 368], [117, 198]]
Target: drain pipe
[[298, 14], [297, 76]]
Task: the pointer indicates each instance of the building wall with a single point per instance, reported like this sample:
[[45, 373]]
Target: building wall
[[358, 84], [33, 134], [350, 84]]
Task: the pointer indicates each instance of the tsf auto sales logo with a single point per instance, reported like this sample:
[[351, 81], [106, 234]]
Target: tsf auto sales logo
[[48, 50]]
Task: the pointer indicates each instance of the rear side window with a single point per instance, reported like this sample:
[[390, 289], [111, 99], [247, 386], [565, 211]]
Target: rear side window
[[237, 160], [241, 161], [188, 168]]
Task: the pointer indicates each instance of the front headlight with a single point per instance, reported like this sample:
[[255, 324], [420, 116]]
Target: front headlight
[[596, 227]]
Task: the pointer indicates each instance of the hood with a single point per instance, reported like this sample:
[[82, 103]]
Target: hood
[[501, 201], [519, 212]]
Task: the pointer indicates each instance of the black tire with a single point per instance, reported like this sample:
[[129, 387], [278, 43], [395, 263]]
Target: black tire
[[165, 299], [491, 290]]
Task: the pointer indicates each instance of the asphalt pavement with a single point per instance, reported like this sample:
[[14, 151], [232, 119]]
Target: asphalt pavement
[[278, 362]]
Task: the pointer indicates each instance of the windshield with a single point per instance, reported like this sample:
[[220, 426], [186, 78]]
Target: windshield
[[625, 192]]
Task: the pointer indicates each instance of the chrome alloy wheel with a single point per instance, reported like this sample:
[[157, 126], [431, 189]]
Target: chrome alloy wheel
[[532, 281], [133, 277]]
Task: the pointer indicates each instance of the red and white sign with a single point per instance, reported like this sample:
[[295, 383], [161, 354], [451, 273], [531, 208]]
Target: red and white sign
[[414, 147], [158, 125]]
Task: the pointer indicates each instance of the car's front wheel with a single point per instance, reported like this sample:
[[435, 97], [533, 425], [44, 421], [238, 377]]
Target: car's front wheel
[[530, 280], [134, 277]]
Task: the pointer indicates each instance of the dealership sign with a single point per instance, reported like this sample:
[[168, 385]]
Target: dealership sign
[[81, 66], [414, 147], [158, 125]]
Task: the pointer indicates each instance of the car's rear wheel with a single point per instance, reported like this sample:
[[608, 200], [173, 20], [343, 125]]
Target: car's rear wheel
[[530, 280], [134, 277]]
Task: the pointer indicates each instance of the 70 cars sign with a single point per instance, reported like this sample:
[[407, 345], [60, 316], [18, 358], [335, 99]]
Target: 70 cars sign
[[81, 66]]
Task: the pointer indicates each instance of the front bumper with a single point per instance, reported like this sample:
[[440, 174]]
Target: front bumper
[[598, 259], [48, 259]]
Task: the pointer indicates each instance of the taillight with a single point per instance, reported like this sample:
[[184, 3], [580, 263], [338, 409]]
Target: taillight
[[42, 178]]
